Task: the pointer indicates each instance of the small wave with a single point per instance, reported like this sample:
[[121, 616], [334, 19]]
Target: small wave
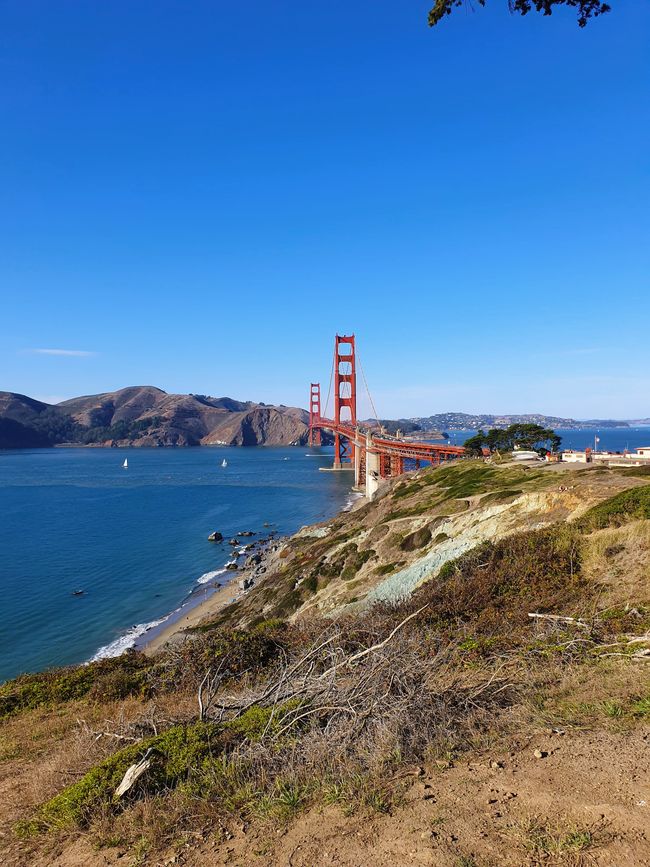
[[209, 576], [351, 501], [124, 642]]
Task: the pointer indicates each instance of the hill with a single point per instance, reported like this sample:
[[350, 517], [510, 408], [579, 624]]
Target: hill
[[467, 421], [147, 416], [454, 674]]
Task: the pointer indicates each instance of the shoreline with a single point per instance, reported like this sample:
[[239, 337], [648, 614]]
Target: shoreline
[[175, 626], [214, 599]]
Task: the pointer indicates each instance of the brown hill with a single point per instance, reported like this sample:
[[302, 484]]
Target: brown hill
[[26, 423], [148, 416]]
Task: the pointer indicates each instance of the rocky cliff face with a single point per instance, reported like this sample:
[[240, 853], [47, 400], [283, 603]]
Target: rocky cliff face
[[147, 416], [260, 425], [383, 551]]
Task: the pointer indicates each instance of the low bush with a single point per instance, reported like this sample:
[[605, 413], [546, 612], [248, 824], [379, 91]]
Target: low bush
[[104, 680], [630, 505], [497, 584], [416, 540], [172, 755]]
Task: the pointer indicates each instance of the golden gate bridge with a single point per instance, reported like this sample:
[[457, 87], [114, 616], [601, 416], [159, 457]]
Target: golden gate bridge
[[372, 454]]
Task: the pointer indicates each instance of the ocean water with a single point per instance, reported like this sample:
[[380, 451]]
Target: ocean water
[[611, 439], [134, 540]]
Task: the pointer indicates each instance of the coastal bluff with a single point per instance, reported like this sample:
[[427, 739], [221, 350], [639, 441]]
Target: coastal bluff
[[146, 416]]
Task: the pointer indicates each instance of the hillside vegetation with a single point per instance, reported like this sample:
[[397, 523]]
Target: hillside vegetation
[[384, 697]]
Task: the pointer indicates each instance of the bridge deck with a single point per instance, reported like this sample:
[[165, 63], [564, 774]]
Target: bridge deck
[[385, 445]]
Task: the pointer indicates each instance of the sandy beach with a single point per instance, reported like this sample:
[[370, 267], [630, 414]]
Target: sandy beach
[[197, 612], [175, 627]]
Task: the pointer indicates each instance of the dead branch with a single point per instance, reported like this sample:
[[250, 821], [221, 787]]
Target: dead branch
[[556, 618], [132, 775]]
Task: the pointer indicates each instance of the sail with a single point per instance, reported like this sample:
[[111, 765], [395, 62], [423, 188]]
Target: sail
[[126, 463], [224, 463]]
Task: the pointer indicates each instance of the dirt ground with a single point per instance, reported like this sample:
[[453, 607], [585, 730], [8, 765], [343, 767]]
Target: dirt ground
[[585, 801]]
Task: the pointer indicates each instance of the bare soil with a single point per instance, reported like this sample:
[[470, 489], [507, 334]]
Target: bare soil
[[492, 810]]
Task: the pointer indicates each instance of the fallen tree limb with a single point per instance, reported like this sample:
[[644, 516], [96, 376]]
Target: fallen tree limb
[[556, 618], [132, 775]]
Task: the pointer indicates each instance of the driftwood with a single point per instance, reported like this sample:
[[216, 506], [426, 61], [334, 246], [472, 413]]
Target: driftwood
[[556, 618], [132, 775]]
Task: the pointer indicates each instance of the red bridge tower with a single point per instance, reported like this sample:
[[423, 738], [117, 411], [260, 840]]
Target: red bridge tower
[[345, 397], [314, 415]]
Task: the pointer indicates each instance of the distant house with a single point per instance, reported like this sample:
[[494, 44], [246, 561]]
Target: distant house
[[638, 458]]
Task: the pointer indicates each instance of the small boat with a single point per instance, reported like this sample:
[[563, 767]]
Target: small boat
[[224, 463], [78, 592], [126, 464]]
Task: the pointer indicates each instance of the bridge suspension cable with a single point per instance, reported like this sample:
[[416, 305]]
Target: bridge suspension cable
[[365, 382], [329, 387]]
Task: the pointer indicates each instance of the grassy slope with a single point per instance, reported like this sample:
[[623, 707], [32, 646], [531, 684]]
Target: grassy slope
[[468, 675], [387, 548]]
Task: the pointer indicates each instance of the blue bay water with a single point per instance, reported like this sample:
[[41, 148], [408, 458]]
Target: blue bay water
[[611, 439], [134, 540]]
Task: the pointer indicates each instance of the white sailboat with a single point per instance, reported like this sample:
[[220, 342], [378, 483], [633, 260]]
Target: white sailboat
[[126, 464], [224, 463]]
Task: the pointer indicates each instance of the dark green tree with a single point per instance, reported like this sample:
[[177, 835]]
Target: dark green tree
[[525, 436], [586, 8]]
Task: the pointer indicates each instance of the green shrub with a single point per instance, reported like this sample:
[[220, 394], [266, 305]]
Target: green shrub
[[173, 754], [499, 497], [536, 570], [631, 505], [104, 680], [387, 568], [233, 651], [417, 539], [258, 721]]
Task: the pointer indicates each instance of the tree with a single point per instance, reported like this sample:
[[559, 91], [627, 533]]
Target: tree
[[586, 8], [525, 436]]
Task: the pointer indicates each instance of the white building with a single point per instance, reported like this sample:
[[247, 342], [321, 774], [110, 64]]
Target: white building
[[638, 458]]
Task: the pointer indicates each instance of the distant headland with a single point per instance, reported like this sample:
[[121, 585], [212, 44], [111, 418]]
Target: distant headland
[[146, 416]]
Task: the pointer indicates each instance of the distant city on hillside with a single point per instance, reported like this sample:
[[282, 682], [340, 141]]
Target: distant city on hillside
[[447, 421]]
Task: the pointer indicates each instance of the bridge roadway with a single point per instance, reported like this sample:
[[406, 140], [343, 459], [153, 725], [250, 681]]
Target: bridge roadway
[[375, 457]]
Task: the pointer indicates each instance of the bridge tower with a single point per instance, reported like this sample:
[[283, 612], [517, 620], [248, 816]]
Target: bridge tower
[[345, 397], [314, 415]]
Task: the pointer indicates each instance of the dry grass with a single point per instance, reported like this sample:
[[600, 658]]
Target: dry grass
[[558, 842]]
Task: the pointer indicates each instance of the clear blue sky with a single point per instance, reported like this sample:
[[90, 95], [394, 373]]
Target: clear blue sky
[[200, 194]]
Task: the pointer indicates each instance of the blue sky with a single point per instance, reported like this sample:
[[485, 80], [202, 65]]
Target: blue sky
[[198, 195]]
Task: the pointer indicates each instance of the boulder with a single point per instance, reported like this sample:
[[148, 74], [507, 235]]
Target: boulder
[[215, 537]]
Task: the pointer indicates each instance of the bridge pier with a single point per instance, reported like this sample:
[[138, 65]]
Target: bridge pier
[[372, 469], [357, 466]]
